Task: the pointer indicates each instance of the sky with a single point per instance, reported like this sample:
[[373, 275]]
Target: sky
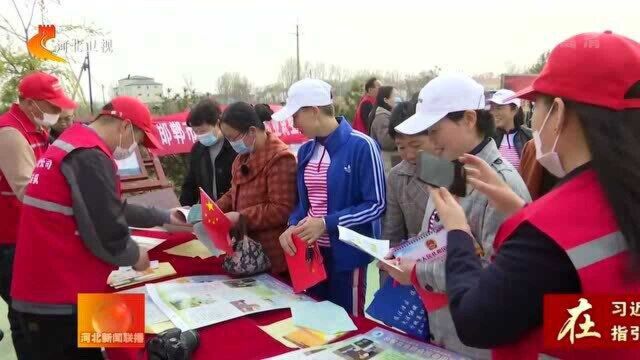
[[173, 40]]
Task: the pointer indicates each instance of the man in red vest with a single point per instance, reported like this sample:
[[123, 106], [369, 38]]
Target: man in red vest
[[74, 229], [361, 118], [23, 140]]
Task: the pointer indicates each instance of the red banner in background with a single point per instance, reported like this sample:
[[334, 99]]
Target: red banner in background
[[177, 138]]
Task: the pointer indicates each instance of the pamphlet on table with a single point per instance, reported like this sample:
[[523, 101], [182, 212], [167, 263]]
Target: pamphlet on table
[[194, 248], [297, 337], [127, 276], [155, 320], [146, 242], [195, 305], [376, 344]]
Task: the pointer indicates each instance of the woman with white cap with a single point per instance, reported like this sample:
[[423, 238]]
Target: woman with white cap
[[451, 108], [511, 134], [581, 238]]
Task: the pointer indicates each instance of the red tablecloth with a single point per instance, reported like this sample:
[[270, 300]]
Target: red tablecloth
[[236, 339]]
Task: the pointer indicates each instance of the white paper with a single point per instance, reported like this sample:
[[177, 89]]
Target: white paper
[[184, 210], [146, 242], [152, 314], [374, 247]]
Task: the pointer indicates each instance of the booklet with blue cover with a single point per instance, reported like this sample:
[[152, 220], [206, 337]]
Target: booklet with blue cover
[[399, 306]]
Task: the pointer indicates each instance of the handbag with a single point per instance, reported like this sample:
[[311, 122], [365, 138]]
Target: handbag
[[248, 256]]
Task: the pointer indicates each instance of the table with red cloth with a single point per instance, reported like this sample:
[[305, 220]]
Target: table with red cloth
[[234, 339]]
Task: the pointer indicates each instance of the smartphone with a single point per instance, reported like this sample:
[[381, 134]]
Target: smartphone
[[440, 172]]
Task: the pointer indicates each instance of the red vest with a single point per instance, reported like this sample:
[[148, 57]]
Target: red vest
[[578, 217], [10, 206], [358, 120], [52, 264]]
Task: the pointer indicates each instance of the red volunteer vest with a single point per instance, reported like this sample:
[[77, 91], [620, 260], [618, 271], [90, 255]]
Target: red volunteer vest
[[578, 217], [10, 206], [52, 264], [358, 122]]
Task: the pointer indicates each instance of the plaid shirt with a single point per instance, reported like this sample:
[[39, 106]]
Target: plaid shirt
[[265, 196]]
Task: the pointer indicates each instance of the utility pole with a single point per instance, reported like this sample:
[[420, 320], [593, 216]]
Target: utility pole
[[298, 49], [87, 66]]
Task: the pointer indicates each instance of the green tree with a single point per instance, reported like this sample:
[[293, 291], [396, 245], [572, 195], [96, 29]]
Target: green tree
[[15, 61], [542, 60]]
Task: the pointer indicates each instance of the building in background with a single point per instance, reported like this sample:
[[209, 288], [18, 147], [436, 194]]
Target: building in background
[[144, 88]]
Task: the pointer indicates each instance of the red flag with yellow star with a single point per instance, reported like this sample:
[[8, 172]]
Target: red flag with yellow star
[[216, 224]]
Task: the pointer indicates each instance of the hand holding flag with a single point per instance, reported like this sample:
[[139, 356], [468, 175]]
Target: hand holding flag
[[216, 224]]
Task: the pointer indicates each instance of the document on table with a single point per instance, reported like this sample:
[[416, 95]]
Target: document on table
[[323, 316], [146, 242], [296, 337], [192, 249]]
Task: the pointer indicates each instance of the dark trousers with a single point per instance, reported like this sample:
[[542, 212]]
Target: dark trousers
[[6, 272], [53, 337], [344, 288]]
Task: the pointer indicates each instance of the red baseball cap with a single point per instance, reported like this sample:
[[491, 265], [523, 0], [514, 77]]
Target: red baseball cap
[[590, 68], [133, 110], [42, 86]]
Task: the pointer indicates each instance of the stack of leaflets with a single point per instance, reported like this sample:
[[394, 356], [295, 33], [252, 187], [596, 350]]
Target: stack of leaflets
[[127, 276]]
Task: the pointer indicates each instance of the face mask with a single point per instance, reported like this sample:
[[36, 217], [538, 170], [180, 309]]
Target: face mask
[[207, 139], [240, 147], [120, 153], [550, 160], [46, 119]]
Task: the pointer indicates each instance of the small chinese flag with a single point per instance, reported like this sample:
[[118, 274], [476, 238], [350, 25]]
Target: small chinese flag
[[216, 224]]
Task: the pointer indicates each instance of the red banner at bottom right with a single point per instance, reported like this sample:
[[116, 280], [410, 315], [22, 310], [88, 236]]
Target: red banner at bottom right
[[580, 321]]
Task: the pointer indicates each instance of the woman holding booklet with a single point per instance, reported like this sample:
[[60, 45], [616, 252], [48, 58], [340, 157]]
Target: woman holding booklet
[[452, 108], [583, 236]]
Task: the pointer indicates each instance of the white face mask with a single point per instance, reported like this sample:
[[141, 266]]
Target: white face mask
[[120, 153], [550, 160], [46, 119]]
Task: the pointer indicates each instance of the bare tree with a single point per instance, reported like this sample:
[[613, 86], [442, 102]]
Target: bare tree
[[289, 73], [234, 87]]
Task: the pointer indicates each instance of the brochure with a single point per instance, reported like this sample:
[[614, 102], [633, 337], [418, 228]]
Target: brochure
[[379, 249], [195, 305], [376, 344]]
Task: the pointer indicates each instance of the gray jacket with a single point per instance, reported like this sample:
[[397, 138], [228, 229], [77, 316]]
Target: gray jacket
[[406, 203], [484, 221], [380, 129]]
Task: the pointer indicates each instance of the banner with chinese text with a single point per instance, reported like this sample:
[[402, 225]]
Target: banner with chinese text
[[177, 138], [591, 321]]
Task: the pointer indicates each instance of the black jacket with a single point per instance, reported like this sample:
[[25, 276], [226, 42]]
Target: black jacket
[[201, 173], [523, 134]]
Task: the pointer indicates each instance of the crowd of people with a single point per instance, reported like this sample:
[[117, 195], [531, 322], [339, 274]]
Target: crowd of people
[[548, 209]]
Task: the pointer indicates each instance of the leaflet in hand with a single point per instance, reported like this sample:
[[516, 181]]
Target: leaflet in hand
[[192, 214], [424, 247], [376, 248]]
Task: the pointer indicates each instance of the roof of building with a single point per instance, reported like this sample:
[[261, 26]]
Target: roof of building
[[136, 77]]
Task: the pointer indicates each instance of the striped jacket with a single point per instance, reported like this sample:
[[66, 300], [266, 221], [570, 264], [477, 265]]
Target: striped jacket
[[356, 190]]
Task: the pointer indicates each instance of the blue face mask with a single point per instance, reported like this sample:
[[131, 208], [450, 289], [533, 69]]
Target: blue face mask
[[239, 146], [207, 139]]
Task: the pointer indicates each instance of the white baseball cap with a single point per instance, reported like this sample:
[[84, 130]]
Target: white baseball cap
[[504, 97], [306, 92], [445, 94]]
